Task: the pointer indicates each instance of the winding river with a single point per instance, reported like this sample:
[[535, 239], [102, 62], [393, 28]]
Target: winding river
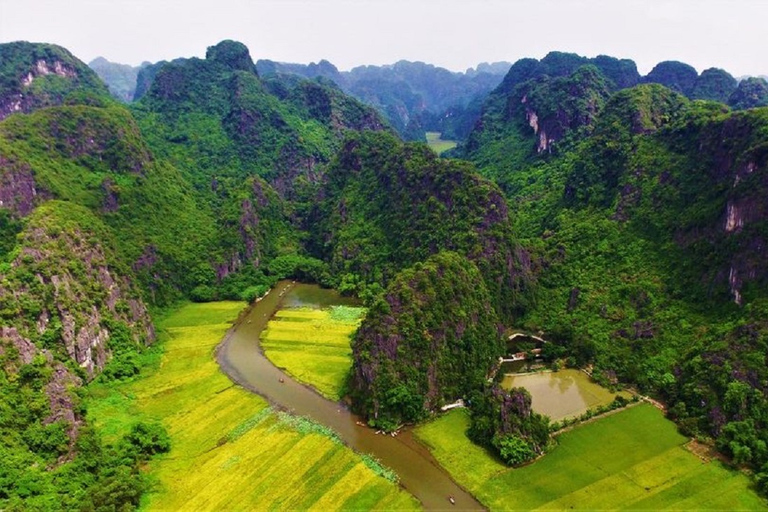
[[241, 358]]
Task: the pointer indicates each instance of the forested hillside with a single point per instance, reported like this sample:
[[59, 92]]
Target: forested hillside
[[108, 212], [641, 210]]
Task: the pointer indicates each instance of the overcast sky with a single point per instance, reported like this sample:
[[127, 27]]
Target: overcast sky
[[455, 34]]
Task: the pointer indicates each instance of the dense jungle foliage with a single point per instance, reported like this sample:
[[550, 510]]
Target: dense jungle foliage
[[388, 205], [429, 341], [107, 212], [504, 421]]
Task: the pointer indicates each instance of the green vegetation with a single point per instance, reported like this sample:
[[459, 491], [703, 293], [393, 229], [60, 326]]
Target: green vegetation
[[633, 232], [751, 93], [388, 205], [313, 345], [431, 341], [228, 448], [641, 270], [96, 157], [35, 75], [633, 459], [439, 145], [504, 420]]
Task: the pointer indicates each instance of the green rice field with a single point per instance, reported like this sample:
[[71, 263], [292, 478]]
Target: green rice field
[[439, 145], [230, 451], [633, 459], [313, 345]]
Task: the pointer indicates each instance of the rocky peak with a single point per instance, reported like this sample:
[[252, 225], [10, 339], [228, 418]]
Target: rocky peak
[[57, 70], [232, 54]]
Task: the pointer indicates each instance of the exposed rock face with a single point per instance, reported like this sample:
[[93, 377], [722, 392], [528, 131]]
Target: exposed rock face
[[78, 294], [18, 191], [65, 297], [59, 387], [45, 75], [61, 401], [25, 348]]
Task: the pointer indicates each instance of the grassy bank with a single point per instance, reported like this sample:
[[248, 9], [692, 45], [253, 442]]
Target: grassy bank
[[230, 451], [313, 345], [634, 459]]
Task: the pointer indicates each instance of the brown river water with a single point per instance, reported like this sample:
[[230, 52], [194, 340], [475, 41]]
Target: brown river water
[[241, 358]]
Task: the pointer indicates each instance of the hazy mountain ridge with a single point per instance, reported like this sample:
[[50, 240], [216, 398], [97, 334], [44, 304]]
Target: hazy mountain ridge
[[416, 97], [120, 78]]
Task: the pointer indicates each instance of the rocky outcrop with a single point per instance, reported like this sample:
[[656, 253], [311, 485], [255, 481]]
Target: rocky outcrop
[[62, 381], [433, 340], [43, 75], [64, 287], [18, 191]]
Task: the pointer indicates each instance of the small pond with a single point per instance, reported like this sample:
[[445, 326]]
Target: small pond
[[562, 394]]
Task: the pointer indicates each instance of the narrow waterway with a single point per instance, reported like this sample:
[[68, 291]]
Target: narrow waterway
[[241, 358]]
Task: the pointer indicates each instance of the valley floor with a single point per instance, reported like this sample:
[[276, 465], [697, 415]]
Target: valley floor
[[230, 450], [634, 459], [438, 144]]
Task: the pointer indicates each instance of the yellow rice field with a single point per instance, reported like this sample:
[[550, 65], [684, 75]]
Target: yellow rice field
[[230, 451], [313, 345]]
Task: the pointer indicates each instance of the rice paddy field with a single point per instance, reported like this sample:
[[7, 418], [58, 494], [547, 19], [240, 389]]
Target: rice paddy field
[[313, 345], [633, 459], [439, 145], [230, 450]]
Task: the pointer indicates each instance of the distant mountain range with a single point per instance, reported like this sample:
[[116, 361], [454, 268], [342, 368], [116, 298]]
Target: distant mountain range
[[416, 97]]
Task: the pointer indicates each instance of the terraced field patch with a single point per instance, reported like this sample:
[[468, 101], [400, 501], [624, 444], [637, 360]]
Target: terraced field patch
[[634, 459], [313, 345], [230, 450]]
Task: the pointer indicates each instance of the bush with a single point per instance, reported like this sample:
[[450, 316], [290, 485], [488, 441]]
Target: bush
[[254, 292], [122, 367], [145, 440], [202, 293], [513, 449]]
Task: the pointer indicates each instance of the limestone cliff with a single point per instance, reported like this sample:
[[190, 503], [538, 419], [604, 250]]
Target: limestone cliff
[[67, 304], [40, 75]]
